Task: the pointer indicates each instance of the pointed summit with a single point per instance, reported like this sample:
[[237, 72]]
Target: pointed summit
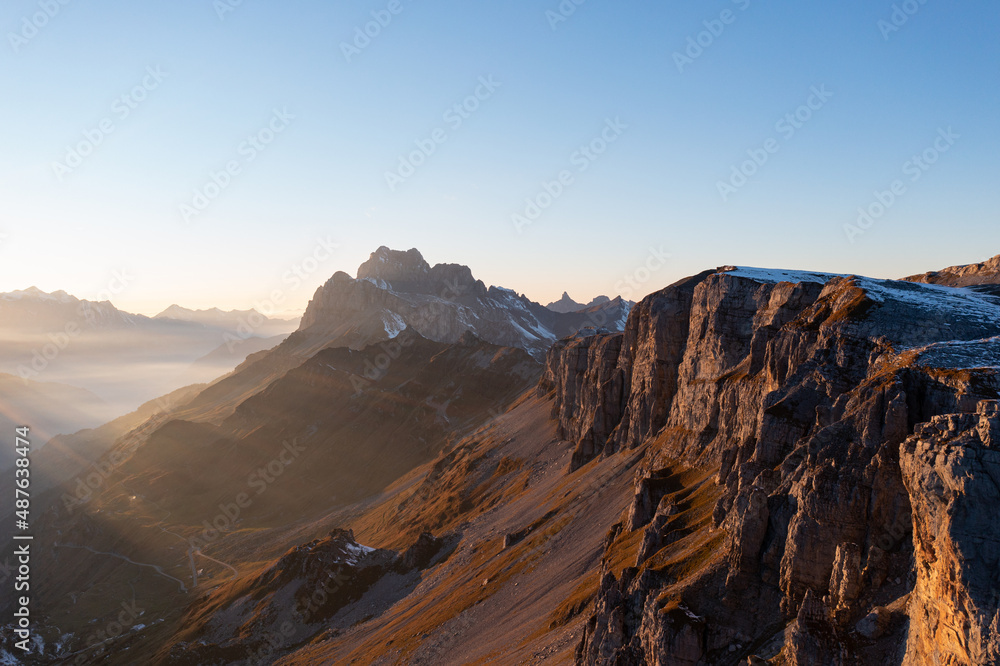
[[565, 304]]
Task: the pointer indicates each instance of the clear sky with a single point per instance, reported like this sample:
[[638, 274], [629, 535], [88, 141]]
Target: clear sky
[[161, 95]]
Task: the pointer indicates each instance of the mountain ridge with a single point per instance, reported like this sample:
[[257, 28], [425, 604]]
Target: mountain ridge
[[567, 304], [394, 289], [751, 439]]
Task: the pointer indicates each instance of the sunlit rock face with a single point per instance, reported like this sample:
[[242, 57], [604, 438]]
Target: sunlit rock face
[[951, 468], [799, 388]]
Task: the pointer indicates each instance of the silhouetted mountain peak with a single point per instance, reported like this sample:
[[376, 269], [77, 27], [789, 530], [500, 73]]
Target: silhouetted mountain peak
[[567, 304], [396, 289]]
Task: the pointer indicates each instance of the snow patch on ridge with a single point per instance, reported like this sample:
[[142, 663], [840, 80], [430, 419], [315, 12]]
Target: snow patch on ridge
[[962, 354], [378, 282], [393, 323], [355, 551], [960, 300], [776, 275], [952, 301]]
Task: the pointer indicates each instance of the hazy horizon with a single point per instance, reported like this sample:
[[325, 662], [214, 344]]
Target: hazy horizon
[[185, 300], [625, 127]]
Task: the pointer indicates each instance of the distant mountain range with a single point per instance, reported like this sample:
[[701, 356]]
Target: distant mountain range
[[122, 359], [393, 291], [567, 304], [35, 311], [127, 359], [238, 322]]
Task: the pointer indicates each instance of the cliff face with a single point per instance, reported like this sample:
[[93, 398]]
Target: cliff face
[[613, 391], [951, 468], [798, 389]]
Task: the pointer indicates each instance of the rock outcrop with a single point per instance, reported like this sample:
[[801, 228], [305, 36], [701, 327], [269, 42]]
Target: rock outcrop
[[799, 389], [951, 468], [971, 275], [295, 599]]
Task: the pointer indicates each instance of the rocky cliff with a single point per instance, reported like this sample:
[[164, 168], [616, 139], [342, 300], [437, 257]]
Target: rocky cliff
[[951, 468], [798, 390]]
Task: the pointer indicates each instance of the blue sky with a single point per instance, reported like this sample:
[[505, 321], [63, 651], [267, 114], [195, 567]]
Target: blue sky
[[554, 88]]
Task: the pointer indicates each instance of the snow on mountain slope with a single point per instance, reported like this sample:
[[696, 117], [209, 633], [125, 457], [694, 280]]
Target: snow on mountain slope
[[897, 305]]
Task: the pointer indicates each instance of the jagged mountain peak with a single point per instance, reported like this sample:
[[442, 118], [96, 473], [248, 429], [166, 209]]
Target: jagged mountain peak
[[391, 265], [567, 304], [408, 272], [395, 289]]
